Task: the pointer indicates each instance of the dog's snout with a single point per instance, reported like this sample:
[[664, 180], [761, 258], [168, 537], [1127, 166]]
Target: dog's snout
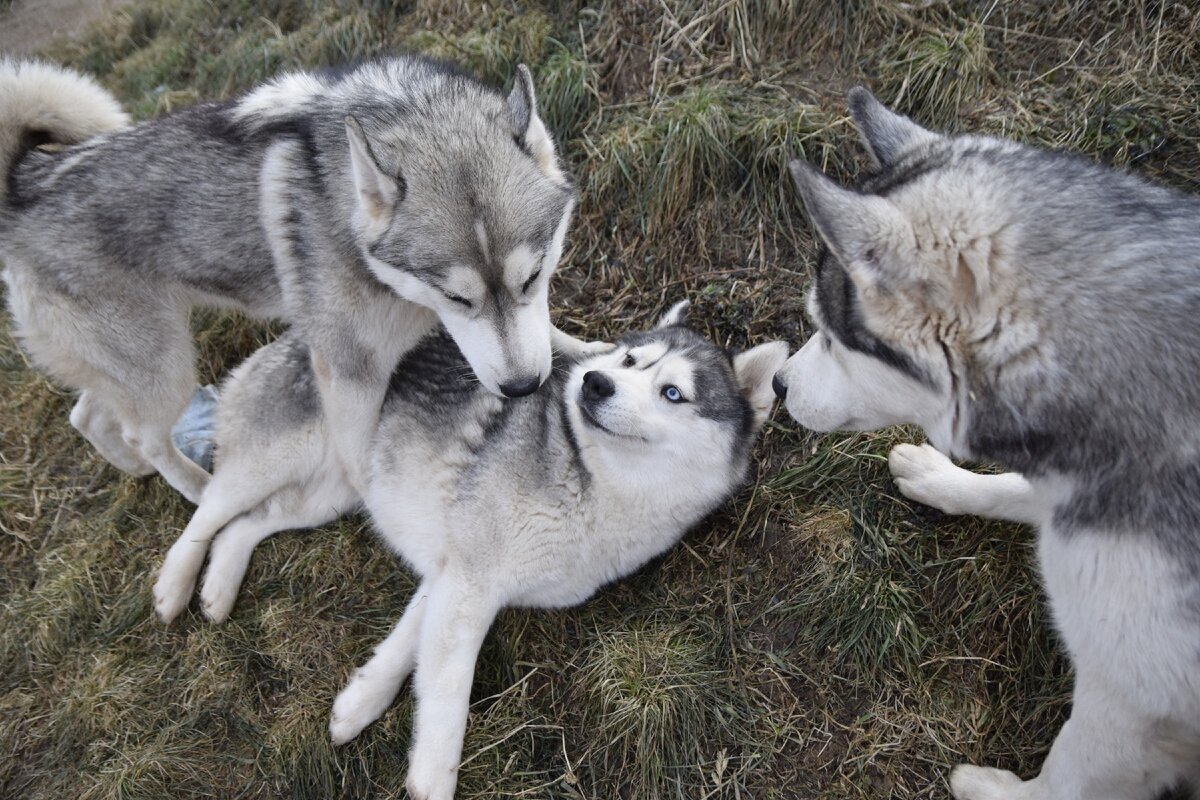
[[520, 387], [779, 386], [597, 386]]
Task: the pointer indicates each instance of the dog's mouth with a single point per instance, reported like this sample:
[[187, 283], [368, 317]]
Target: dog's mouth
[[591, 420]]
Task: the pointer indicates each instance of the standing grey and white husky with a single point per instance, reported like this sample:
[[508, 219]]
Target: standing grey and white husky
[[1042, 312], [530, 502], [361, 206]]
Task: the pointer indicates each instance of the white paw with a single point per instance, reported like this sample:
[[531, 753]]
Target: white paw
[[428, 779], [173, 589], [217, 596], [590, 349], [358, 705], [984, 783], [927, 476]]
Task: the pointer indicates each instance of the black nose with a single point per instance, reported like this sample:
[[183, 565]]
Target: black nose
[[779, 386], [597, 386], [520, 387]]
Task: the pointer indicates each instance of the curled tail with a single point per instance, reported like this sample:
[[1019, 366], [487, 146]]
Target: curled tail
[[41, 103]]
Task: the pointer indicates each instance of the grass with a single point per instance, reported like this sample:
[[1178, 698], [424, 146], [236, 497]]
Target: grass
[[818, 637]]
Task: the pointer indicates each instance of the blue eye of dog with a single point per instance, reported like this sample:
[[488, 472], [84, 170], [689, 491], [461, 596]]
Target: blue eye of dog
[[673, 394], [529, 282], [629, 360]]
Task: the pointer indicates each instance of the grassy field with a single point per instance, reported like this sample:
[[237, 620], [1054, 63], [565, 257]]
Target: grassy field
[[818, 637]]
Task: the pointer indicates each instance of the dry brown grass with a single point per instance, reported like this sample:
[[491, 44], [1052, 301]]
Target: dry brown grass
[[818, 637]]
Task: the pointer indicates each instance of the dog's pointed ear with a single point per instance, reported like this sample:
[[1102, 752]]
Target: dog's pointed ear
[[675, 315], [376, 191], [522, 104], [886, 134], [755, 369], [866, 233], [530, 132]]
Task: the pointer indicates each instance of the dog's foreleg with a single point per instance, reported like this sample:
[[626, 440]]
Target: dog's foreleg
[[456, 620], [575, 349], [1105, 751], [351, 406], [102, 429], [374, 685], [928, 476]]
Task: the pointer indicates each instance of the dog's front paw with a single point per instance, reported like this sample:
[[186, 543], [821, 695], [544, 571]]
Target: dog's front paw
[[358, 705], [597, 348], [172, 590], [926, 475], [428, 779], [984, 783]]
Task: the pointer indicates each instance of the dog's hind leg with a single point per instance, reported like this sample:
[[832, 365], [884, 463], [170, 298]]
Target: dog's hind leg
[[150, 417], [375, 684], [926, 475], [456, 620], [103, 431], [229, 557], [235, 492], [185, 476], [1105, 751]]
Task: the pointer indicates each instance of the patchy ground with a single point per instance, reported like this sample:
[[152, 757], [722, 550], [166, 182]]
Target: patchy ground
[[819, 637], [28, 26]]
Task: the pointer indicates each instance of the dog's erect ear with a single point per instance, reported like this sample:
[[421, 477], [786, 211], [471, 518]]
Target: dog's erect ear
[[377, 192], [528, 127], [755, 369], [522, 103], [675, 315], [886, 134], [865, 232]]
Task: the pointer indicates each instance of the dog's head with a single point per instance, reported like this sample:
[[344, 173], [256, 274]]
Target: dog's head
[[462, 206], [667, 407], [913, 285]]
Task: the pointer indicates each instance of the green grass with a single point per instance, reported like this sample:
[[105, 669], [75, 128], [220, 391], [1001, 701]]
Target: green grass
[[818, 637]]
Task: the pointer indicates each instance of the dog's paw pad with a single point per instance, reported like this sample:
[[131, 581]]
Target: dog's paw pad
[[425, 783], [356, 707], [171, 595], [912, 461], [984, 783], [925, 475], [217, 599]]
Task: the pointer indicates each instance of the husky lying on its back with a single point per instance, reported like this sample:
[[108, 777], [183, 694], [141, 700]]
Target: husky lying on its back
[[360, 206], [1042, 312], [532, 502]]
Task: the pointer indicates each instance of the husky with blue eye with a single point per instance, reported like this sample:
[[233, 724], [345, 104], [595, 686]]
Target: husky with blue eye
[[1042, 312], [532, 502]]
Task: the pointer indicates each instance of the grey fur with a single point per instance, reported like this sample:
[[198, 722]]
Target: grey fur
[[1040, 311], [494, 502], [123, 234]]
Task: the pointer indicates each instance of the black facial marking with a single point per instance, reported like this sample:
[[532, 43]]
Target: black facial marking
[[841, 319], [715, 392]]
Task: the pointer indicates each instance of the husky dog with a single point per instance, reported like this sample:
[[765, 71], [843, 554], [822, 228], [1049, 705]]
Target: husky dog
[[1042, 312], [362, 207], [534, 502]]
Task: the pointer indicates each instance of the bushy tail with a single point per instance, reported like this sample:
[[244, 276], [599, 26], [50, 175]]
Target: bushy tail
[[42, 103]]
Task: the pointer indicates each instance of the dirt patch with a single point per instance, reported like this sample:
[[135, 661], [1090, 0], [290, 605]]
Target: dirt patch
[[28, 26]]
